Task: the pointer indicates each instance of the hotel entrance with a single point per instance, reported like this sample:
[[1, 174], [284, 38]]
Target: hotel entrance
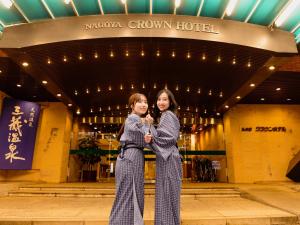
[[82, 69]]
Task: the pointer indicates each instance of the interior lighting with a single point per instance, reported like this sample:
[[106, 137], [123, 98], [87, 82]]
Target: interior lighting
[[58, 95], [271, 67], [230, 7], [157, 53], [25, 64], [252, 85], [278, 89], [7, 3], [45, 82], [67, 1], [286, 12]]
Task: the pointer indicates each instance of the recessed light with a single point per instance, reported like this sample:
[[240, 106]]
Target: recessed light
[[288, 99], [70, 105], [45, 82], [25, 64], [252, 85], [226, 106], [19, 85], [58, 95], [262, 99], [0, 71], [238, 97], [271, 67], [278, 89]]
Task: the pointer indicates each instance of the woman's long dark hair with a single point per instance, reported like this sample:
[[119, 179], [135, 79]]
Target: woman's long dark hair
[[133, 99], [173, 104]]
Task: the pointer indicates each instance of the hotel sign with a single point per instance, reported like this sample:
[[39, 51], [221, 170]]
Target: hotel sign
[[155, 24], [264, 129]]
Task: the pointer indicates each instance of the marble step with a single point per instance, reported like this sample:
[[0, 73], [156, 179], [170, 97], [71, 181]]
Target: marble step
[[56, 191]]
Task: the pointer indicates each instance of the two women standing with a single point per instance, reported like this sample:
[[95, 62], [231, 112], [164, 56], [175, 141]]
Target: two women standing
[[129, 202]]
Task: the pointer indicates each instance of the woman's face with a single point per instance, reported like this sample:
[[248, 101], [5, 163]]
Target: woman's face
[[163, 102], [141, 106]]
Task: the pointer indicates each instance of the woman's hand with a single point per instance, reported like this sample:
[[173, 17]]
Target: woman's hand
[[149, 119], [148, 138]]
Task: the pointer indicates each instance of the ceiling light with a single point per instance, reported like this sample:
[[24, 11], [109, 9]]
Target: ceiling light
[[80, 57], [188, 55], [286, 12], [49, 61], [226, 106], [221, 94], [127, 53], [7, 3], [218, 114], [58, 95], [0, 71], [111, 54], [157, 53], [142, 53], [230, 7], [199, 91], [121, 87], [188, 89], [238, 97], [278, 89], [98, 89], [173, 54], [271, 67], [288, 99], [233, 62], [177, 88], [249, 64], [203, 57], [78, 111], [143, 86], [19, 85], [177, 3], [25, 64], [219, 59], [87, 91], [45, 82], [75, 92], [96, 55], [109, 88], [70, 105], [252, 85], [65, 59], [262, 99], [154, 85]]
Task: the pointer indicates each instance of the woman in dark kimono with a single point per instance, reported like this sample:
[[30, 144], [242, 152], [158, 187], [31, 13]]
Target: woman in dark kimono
[[128, 207], [163, 141]]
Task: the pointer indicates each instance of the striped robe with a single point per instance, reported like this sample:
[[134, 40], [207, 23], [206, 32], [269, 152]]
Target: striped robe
[[168, 170], [128, 207]]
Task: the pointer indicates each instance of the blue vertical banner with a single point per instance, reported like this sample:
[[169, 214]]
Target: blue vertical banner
[[18, 125]]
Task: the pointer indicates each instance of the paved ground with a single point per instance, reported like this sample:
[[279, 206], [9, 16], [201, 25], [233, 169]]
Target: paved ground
[[259, 204]]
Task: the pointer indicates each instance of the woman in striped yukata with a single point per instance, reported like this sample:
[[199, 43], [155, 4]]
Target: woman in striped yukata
[[128, 207], [163, 141]]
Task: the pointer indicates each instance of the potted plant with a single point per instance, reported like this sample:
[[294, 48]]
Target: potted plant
[[89, 154]]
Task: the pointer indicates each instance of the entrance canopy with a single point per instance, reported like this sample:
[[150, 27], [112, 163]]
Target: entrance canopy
[[93, 54]]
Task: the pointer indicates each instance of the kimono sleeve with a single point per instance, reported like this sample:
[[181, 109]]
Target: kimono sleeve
[[135, 129], [166, 135]]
